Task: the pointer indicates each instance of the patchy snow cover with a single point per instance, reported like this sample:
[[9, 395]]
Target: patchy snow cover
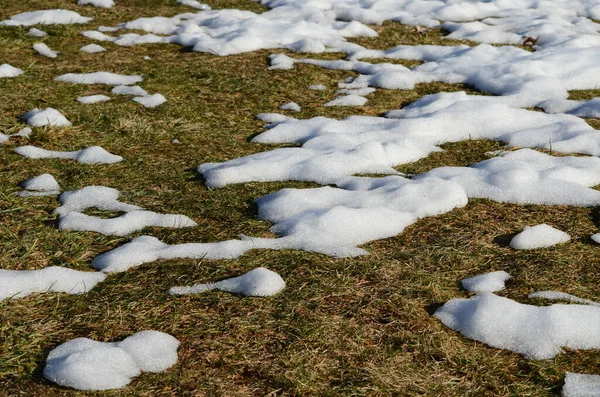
[[7, 70], [581, 385], [99, 78], [85, 364], [75, 202], [41, 185], [348, 100], [92, 48], [194, 4], [257, 282], [20, 283], [129, 90], [44, 50], [97, 3], [93, 99], [150, 101], [45, 17], [555, 295], [317, 87], [34, 32], [48, 116], [25, 132], [487, 282], [539, 236], [535, 332], [89, 155], [272, 117], [291, 106]]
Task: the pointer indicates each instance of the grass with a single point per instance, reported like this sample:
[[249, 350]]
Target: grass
[[360, 326]]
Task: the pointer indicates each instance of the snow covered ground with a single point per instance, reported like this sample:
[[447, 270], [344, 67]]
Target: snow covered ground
[[526, 56]]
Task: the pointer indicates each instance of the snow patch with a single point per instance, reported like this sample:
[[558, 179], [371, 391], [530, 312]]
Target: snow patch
[[93, 99], [48, 116], [90, 155], [539, 236], [488, 282]]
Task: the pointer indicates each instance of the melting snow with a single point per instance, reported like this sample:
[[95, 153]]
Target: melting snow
[[97, 3], [488, 282], [539, 236], [555, 295], [44, 50], [85, 364], [90, 155], [92, 48], [194, 4], [7, 70], [291, 106], [257, 282], [48, 116], [150, 101], [581, 385], [41, 185], [348, 100], [45, 17], [99, 78], [34, 32], [93, 99], [129, 90]]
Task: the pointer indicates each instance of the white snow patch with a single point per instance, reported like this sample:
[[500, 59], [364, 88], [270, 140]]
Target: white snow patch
[[487, 282], [7, 70], [20, 283], [291, 106], [150, 101], [257, 282], [85, 364], [45, 17], [194, 4], [555, 295], [89, 155], [92, 48], [25, 132], [48, 116], [41, 185], [273, 117], [93, 99], [44, 50], [99, 78], [348, 100], [539, 236], [97, 3], [317, 87], [581, 385], [129, 90], [34, 32]]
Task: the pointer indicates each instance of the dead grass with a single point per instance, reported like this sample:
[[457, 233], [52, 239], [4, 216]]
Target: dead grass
[[348, 327]]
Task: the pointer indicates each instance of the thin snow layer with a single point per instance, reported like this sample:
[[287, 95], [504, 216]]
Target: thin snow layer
[[348, 100], [539, 236], [45, 17], [129, 90], [36, 33], [317, 87], [75, 202], [44, 50], [85, 364], [97, 3], [194, 4], [20, 283], [488, 282], [291, 106], [150, 101], [99, 78], [25, 132], [272, 117], [89, 155], [581, 385], [48, 116], [93, 99], [533, 331], [7, 70], [333, 221], [257, 282], [555, 295], [92, 48], [333, 149], [44, 182]]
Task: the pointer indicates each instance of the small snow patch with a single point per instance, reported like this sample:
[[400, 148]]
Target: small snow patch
[[99, 78], [93, 99], [92, 48], [129, 90], [34, 32], [488, 282], [90, 155], [317, 87], [581, 385], [48, 116], [97, 3], [44, 50], [194, 4], [7, 70], [291, 106], [540, 236], [46, 17], [348, 100], [150, 101]]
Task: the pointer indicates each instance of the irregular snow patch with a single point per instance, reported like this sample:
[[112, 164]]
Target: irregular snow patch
[[85, 364], [44, 50], [291, 106], [129, 90], [92, 48], [555, 295], [150, 101], [25, 132], [194, 4], [581, 385], [48, 116], [90, 155], [99, 78], [7, 70], [34, 32], [488, 282], [97, 3], [539, 236], [93, 99], [41, 185], [535, 332], [76, 201], [348, 100], [46, 17], [595, 238], [20, 283], [273, 117], [257, 282]]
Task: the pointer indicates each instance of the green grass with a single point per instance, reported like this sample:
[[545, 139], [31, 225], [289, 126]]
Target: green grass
[[349, 327]]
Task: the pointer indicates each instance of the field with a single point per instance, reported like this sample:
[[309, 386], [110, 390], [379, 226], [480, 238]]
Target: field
[[343, 326]]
